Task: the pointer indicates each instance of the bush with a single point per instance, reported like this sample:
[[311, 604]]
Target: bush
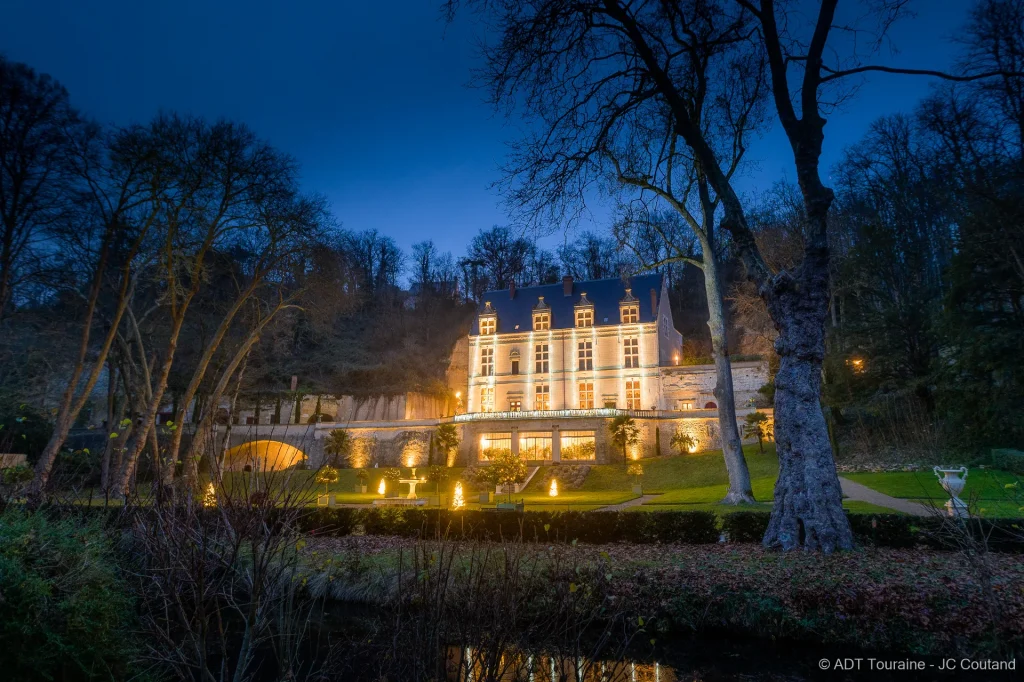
[[331, 522], [1009, 460], [570, 476], [64, 611], [676, 527], [745, 526]]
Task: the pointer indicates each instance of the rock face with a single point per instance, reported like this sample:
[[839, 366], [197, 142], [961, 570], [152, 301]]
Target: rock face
[[696, 384]]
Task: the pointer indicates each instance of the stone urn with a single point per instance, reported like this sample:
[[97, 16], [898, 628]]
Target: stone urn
[[953, 482]]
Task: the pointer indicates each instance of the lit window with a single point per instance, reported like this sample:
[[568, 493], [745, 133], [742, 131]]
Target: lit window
[[542, 399], [541, 321], [631, 350], [487, 399], [632, 394], [584, 317], [586, 355], [515, 405], [586, 395], [542, 358], [487, 361], [685, 405], [630, 314], [488, 325]]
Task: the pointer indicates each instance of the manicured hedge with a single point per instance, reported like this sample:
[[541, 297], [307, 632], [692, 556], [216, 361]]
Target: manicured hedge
[[745, 526], [697, 527], [566, 526], [1010, 460]]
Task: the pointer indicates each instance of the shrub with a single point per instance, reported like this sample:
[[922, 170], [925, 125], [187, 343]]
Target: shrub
[[570, 476], [745, 526], [1010, 460], [331, 522], [64, 613]]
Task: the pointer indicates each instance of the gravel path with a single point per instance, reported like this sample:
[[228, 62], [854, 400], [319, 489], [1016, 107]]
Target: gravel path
[[862, 493], [635, 502]]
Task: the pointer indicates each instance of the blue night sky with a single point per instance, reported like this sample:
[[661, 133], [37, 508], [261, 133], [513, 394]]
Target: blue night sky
[[371, 98]]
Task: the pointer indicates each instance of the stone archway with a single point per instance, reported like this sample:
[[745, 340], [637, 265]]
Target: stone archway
[[263, 455]]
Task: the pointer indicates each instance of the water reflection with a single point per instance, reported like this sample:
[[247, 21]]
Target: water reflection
[[470, 664]]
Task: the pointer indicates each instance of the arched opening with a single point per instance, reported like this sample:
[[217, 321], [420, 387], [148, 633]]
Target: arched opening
[[262, 455], [710, 405]]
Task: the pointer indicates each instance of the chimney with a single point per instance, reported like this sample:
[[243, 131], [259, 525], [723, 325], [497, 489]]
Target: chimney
[[654, 303], [567, 285], [512, 289]]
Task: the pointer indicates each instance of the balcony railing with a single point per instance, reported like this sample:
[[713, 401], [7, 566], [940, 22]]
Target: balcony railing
[[600, 412]]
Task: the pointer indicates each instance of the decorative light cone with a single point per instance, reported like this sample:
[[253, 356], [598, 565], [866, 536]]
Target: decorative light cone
[[458, 501], [553, 490], [382, 488], [210, 496]]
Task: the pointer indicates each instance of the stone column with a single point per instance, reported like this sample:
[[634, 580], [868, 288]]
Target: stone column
[[556, 445], [515, 440]]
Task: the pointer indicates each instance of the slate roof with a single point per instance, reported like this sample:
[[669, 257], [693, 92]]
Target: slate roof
[[604, 294]]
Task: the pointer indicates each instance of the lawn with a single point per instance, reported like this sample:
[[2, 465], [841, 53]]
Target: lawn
[[988, 492]]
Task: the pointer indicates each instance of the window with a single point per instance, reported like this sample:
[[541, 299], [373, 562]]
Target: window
[[487, 361], [632, 394], [586, 395], [630, 314], [584, 317], [491, 444], [542, 358], [541, 321], [578, 445], [535, 446], [685, 405], [488, 325], [586, 355], [487, 399], [631, 350], [542, 399], [515, 365], [515, 405]]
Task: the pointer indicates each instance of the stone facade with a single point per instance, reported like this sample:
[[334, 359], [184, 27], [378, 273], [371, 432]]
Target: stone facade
[[695, 385]]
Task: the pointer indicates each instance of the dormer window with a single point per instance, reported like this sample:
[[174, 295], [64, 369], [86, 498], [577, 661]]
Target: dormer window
[[541, 316], [629, 308], [488, 320], [584, 312]]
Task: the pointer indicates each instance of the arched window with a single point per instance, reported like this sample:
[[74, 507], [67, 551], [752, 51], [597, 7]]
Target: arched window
[[710, 406]]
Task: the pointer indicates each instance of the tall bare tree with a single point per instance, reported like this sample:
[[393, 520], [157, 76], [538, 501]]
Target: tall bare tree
[[589, 60], [216, 182], [38, 128], [108, 236]]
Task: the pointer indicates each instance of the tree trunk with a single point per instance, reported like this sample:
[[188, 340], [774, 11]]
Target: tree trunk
[[740, 491], [149, 418], [204, 426], [174, 446], [69, 406], [808, 509]]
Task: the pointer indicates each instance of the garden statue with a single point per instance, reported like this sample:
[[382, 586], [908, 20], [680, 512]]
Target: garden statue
[[953, 482]]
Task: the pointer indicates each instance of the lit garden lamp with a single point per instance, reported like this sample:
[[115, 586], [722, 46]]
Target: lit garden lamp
[[458, 501], [553, 490], [210, 496], [382, 488]]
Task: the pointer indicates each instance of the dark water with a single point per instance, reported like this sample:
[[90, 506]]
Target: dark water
[[712, 660]]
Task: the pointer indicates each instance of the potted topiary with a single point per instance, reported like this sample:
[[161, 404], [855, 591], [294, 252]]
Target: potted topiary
[[327, 475], [636, 470], [361, 485]]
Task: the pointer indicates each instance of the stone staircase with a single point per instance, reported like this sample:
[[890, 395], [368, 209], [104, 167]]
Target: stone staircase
[[500, 489]]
